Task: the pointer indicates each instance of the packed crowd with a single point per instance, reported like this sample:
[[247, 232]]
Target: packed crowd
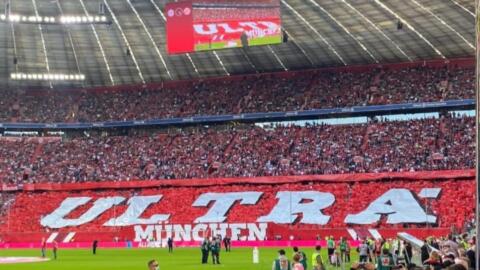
[[262, 93], [452, 253], [6, 201], [245, 151], [243, 12]]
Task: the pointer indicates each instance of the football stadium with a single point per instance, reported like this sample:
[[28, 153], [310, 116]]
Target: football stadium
[[248, 134]]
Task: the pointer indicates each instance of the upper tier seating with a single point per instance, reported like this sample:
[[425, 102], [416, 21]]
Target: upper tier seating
[[262, 93]]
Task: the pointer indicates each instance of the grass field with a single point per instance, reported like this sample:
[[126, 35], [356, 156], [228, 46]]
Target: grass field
[[252, 42], [136, 259]]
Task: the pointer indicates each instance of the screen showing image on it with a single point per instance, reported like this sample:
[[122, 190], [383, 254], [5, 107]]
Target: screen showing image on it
[[202, 25]]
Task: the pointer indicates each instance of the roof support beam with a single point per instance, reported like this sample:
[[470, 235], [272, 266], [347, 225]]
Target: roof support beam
[[43, 41], [14, 41], [463, 7], [404, 21], [140, 74], [165, 19], [71, 41], [444, 23], [102, 51], [157, 50], [278, 58], [364, 48], [378, 29], [292, 39], [221, 63], [330, 47], [245, 54]]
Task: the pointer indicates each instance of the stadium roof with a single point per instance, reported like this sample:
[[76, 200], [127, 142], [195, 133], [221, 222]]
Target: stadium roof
[[322, 33]]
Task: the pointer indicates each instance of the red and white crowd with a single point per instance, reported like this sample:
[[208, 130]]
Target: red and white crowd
[[245, 151], [262, 93]]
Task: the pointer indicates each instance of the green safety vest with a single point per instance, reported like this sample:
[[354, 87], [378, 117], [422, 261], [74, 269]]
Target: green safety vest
[[330, 243], [314, 259]]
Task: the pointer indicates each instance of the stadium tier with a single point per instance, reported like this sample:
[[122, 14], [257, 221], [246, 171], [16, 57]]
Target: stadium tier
[[277, 92], [260, 182], [242, 151]]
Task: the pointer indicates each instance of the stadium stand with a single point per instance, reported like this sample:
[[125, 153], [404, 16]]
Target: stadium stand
[[236, 13], [244, 151], [261, 93]]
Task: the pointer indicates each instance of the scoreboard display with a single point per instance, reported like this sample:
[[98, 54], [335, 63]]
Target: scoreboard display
[[202, 25]]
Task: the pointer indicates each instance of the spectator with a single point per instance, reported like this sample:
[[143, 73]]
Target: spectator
[[363, 251], [281, 263], [302, 257], [153, 265], [297, 265]]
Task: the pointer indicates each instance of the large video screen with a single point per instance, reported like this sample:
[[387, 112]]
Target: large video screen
[[202, 25]]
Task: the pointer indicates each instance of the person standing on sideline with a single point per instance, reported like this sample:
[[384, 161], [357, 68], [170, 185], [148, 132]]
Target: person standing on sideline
[[153, 265], [215, 247], [227, 243], [281, 263], [302, 257], [297, 265], [319, 263], [385, 262], [170, 245], [55, 249], [343, 249], [44, 247], [315, 256], [94, 247], [424, 251], [330, 247], [363, 251], [205, 247], [347, 252], [407, 252]]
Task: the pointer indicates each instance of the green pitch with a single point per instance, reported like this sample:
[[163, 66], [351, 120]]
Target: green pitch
[[136, 259], [252, 42]]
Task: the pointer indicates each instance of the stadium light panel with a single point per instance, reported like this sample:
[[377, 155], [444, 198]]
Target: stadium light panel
[[17, 18], [47, 76]]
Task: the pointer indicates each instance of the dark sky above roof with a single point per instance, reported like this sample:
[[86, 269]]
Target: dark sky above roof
[[322, 33]]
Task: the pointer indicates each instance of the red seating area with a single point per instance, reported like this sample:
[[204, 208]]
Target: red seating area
[[350, 197], [6, 202], [233, 13], [232, 95], [245, 151]]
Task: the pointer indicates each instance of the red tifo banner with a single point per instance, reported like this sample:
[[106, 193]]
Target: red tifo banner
[[248, 209]]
